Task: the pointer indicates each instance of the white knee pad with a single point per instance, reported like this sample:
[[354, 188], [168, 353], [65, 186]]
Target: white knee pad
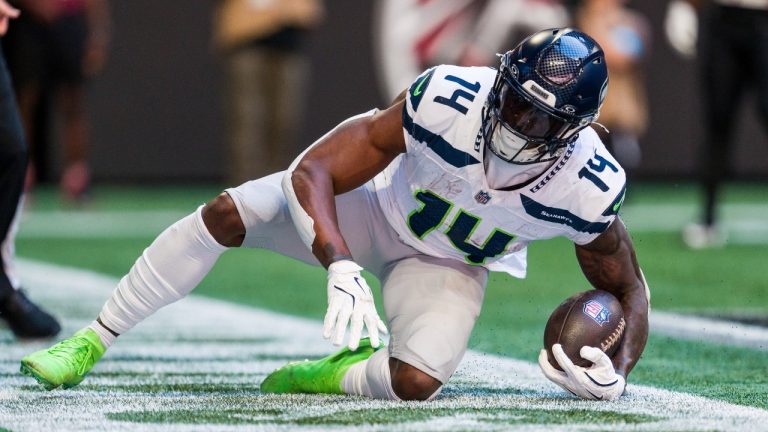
[[373, 378], [370, 378]]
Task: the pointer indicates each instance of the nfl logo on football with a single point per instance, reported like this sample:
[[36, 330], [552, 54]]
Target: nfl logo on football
[[483, 197], [597, 312]]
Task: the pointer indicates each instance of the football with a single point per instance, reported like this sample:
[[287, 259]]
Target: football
[[593, 318]]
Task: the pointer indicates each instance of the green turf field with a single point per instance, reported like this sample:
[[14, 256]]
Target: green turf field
[[107, 235]]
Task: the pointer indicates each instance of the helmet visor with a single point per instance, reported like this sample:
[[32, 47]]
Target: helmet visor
[[521, 115]]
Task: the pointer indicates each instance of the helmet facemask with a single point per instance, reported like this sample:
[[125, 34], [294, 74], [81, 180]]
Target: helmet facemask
[[522, 124]]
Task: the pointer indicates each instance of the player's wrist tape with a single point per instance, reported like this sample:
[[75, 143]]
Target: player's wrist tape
[[336, 258]]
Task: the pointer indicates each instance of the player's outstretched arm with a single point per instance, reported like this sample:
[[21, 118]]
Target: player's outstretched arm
[[609, 263], [345, 158]]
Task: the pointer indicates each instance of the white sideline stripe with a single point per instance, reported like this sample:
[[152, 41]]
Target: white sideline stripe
[[709, 330], [96, 224], [745, 223], [222, 337]]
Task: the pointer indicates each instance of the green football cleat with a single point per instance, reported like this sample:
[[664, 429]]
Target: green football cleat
[[317, 376], [66, 363]]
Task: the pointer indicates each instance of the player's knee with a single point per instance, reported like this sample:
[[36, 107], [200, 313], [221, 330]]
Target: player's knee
[[409, 383], [223, 221]]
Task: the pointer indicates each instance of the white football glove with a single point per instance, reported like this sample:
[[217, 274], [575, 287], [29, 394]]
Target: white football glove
[[350, 301], [598, 382]]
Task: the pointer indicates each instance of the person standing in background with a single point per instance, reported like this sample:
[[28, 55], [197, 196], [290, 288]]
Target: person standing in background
[[734, 57], [56, 46], [25, 319], [624, 35], [262, 43]]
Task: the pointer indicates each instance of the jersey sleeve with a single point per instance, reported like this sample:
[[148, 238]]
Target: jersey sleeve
[[599, 191], [411, 113], [582, 199], [442, 112]]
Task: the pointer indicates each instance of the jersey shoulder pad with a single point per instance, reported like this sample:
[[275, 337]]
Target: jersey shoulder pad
[[449, 89], [443, 110], [597, 177], [583, 191]]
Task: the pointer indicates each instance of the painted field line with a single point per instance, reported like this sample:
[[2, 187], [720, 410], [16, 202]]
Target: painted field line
[[203, 342], [709, 330], [96, 224]]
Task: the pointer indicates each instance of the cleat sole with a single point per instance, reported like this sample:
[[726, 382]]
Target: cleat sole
[[30, 372]]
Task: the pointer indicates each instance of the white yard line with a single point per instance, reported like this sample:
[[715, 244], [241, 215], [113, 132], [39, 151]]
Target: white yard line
[[96, 224], [709, 330], [743, 223], [201, 340]]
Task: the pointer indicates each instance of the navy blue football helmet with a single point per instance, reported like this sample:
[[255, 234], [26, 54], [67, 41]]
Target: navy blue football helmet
[[547, 89]]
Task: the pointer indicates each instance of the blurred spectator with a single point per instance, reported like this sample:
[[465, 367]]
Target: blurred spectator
[[502, 23], [262, 42], [52, 50], [24, 318], [412, 35], [624, 35], [734, 57]]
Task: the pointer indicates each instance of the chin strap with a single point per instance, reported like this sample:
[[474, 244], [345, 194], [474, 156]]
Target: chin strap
[[602, 126]]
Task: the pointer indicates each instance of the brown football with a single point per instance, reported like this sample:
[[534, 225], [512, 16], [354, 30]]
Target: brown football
[[593, 318]]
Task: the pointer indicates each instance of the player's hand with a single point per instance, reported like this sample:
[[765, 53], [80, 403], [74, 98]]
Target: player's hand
[[350, 301], [598, 382]]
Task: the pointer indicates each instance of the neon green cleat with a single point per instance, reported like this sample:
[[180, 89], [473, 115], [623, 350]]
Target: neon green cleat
[[318, 376], [66, 363]]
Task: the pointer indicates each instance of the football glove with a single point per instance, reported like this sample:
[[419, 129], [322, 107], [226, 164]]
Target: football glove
[[350, 302], [597, 382]]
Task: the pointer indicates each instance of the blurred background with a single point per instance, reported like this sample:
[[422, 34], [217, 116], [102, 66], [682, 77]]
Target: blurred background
[[158, 108]]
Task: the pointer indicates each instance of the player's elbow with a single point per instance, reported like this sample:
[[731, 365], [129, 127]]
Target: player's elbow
[[299, 178]]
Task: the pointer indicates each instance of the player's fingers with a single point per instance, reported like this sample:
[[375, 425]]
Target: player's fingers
[[549, 371], [596, 356], [382, 326], [330, 320], [341, 326], [353, 343], [373, 331], [355, 331], [565, 363]]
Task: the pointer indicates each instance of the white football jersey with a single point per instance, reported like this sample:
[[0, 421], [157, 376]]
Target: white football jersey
[[437, 198]]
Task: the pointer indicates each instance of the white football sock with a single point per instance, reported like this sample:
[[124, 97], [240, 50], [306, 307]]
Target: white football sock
[[370, 378], [168, 270], [106, 336]]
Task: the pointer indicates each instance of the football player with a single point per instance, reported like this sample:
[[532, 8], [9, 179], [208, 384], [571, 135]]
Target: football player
[[451, 181]]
